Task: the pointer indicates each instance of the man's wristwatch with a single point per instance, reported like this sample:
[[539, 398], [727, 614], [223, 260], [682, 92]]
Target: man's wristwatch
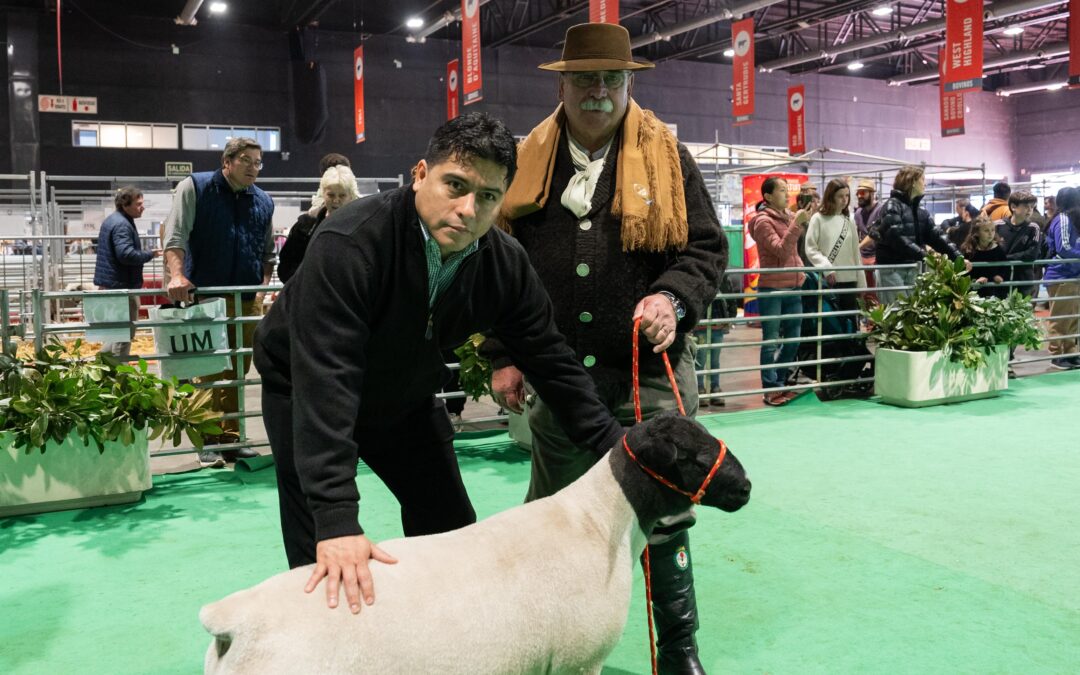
[[676, 304]]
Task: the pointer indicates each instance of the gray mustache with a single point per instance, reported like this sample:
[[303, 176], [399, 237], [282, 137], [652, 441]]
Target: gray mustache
[[603, 105]]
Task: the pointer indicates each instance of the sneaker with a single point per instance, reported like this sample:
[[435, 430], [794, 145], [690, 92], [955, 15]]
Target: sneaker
[[239, 453], [211, 460], [775, 398], [790, 396], [1012, 373], [1062, 363], [1074, 360]]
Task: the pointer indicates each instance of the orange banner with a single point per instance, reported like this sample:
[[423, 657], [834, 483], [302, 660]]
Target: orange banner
[[452, 89], [796, 97], [742, 69], [964, 45], [358, 92], [1074, 43], [603, 11], [952, 103], [470, 51]]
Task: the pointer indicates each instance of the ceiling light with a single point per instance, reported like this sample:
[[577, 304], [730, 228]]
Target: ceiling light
[[1055, 86], [884, 10], [218, 7], [1013, 30], [855, 65], [414, 22], [729, 53]]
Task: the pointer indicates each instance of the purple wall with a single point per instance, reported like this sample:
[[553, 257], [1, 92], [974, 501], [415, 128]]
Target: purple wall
[[1047, 131]]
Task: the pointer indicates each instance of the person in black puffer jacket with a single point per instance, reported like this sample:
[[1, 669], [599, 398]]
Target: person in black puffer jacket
[[120, 257], [336, 189], [904, 231]]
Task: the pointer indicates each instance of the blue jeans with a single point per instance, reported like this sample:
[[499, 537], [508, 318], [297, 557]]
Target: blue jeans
[[771, 329], [709, 384]]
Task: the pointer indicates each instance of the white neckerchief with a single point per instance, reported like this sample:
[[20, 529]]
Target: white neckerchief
[[577, 197]]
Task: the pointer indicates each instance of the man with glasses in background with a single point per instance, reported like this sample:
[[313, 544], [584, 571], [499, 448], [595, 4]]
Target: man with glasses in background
[[219, 233], [617, 221]]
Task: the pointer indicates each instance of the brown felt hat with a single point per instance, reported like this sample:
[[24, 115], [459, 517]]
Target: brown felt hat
[[866, 184], [596, 46]]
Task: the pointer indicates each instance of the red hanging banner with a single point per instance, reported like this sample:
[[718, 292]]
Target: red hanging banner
[[358, 92], [603, 11], [796, 97], [742, 99], [470, 50], [451, 90], [952, 103], [1074, 43], [964, 45]]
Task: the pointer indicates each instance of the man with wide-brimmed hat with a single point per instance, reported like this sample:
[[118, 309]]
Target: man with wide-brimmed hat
[[619, 224]]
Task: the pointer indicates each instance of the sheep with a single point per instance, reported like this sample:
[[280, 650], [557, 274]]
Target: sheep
[[544, 587]]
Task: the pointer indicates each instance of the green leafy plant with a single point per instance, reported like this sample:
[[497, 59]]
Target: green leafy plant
[[943, 312], [100, 399], [475, 373]]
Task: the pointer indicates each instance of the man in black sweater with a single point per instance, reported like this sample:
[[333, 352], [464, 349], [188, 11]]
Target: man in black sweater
[[618, 222], [350, 353]]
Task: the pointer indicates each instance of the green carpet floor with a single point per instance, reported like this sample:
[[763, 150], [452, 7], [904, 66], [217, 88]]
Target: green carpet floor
[[877, 540]]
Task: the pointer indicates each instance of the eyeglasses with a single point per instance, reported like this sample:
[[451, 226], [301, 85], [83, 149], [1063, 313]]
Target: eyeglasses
[[247, 161], [613, 79]]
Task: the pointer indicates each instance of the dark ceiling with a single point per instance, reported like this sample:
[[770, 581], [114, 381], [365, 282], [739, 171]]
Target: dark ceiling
[[793, 35]]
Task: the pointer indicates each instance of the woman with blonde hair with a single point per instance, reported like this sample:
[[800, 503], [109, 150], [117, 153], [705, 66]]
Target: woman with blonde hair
[[337, 187]]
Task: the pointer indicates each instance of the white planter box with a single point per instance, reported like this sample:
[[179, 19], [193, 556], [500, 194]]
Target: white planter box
[[70, 475], [919, 379]]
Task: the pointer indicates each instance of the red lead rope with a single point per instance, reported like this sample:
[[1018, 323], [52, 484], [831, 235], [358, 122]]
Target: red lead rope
[[694, 497]]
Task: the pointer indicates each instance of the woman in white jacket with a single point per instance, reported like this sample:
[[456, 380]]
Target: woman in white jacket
[[832, 240]]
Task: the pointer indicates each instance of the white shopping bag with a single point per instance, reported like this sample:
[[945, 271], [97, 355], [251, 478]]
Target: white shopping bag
[[107, 309], [191, 340]]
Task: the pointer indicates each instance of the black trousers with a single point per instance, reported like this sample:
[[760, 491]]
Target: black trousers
[[414, 458]]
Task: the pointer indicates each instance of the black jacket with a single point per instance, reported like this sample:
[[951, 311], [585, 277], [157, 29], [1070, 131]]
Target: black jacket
[[292, 253], [594, 310], [905, 230], [351, 339], [120, 255]]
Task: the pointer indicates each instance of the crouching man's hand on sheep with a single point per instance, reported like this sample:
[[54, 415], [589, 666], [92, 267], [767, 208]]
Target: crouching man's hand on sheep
[[346, 558]]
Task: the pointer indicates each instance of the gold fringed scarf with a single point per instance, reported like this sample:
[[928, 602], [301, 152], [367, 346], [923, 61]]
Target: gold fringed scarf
[[649, 196]]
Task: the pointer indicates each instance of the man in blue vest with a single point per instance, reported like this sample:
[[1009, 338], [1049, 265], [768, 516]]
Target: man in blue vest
[[219, 233]]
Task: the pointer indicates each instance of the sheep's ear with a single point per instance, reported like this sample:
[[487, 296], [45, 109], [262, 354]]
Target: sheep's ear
[[654, 441]]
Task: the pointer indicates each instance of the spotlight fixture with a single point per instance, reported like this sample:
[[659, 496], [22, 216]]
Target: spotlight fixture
[[855, 65], [729, 53], [1013, 30], [218, 7], [414, 22], [884, 10]]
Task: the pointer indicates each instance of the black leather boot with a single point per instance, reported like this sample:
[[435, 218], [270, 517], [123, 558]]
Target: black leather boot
[[674, 607]]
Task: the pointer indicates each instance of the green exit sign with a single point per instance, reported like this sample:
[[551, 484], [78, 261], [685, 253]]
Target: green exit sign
[[177, 170]]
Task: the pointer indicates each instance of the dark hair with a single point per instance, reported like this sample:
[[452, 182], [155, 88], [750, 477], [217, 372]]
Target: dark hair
[[333, 159], [1067, 198], [834, 186], [474, 136], [769, 185], [906, 177], [971, 241], [126, 196], [1002, 190], [235, 146], [1022, 197]]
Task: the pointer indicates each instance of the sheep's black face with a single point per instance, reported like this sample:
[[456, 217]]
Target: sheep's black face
[[684, 452]]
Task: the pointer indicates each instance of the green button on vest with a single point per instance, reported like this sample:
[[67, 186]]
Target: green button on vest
[[583, 270], [585, 317], [589, 361]]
